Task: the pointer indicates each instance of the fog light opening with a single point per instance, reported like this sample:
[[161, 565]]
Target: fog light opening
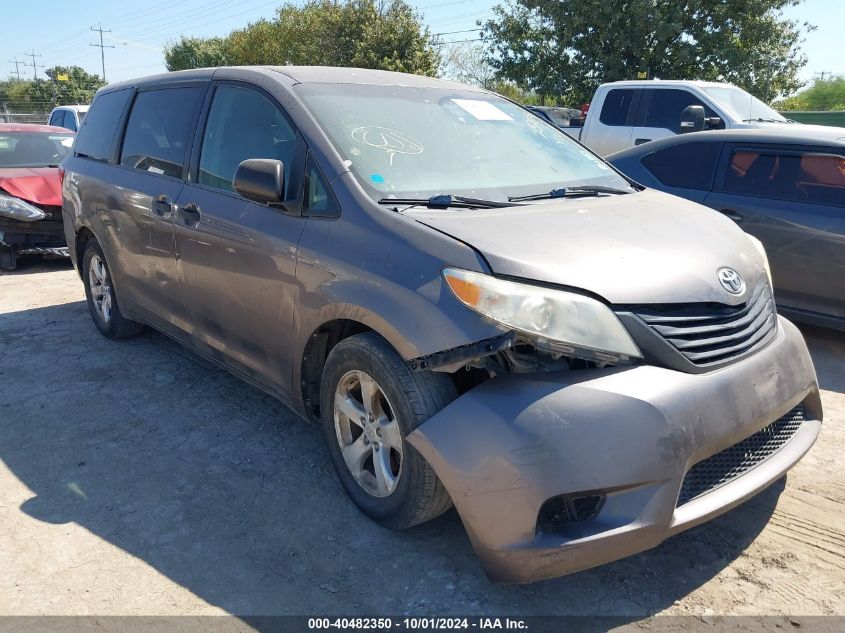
[[559, 512]]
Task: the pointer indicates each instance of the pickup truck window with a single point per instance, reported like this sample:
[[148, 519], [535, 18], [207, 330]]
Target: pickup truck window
[[665, 106], [617, 106], [685, 165], [741, 105]]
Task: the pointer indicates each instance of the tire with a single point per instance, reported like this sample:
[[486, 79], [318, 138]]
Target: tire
[[405, 400], [99, 293]]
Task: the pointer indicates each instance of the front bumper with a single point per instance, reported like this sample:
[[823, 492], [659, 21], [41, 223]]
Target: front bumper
[[506, 447]]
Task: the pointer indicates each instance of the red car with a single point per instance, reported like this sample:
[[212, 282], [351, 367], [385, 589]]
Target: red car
[[31, 190]]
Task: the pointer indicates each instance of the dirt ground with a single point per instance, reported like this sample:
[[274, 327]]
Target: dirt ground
[[137, 479]]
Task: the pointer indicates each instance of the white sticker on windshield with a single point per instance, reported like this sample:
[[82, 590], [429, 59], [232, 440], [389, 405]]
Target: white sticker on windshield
[[482, 110]]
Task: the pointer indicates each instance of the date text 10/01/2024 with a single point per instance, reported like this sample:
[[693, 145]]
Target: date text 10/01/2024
[[417, 623]]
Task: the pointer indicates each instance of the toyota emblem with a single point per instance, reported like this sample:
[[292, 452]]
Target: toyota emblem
[[731, 281]]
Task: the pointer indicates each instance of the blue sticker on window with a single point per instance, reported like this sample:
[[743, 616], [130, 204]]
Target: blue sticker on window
[[377, 178]]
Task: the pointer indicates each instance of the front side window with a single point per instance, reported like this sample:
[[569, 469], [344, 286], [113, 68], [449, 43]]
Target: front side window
[[686, 165], [666, 106], [815, 177], [617, 107], [96, 136], [410, 142], [242, 124], [33, 149], [158, 130]]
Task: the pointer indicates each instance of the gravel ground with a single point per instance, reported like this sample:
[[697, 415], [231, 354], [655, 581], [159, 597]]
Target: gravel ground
[[137, 479]]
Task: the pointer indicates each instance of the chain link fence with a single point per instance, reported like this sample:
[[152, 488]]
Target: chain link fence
[[23, 117]]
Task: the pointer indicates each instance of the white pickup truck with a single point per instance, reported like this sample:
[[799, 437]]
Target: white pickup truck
[[627, 113]]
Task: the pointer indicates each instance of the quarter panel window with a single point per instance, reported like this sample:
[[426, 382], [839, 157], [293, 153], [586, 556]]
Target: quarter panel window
[[686, 165], [616, 107], [242, 124], [160, 124], [319, 199], [95, 138]]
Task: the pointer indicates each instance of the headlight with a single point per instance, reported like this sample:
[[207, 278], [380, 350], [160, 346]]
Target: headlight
[[17, 209], [561, 321], [762, 250]]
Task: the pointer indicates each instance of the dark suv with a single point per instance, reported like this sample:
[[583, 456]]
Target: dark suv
[[477, 309]]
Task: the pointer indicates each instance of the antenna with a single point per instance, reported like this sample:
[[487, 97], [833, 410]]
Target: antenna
[[102, 47]]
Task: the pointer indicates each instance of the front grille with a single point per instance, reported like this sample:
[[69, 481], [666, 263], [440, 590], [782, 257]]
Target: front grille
[[707, 334], [736, 460]]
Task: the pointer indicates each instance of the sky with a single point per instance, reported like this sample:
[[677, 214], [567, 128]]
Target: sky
[[138, 31]]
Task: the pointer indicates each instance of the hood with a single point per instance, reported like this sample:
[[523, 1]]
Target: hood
[[40, 185], [646, 247]]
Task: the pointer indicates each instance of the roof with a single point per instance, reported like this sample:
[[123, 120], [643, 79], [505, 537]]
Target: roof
[[78, 107], [778, 134], [33, 127], [651, 83], [307, 74]]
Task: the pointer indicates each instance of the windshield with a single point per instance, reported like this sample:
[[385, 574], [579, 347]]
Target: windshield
[[419, 142], [31, 149], [741, 105]]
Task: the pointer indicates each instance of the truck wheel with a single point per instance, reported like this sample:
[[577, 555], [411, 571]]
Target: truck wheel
[[370, 402], [102, 302]]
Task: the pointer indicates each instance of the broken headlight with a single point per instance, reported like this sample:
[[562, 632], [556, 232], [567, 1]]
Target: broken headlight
[[555, 320], [17, 209]]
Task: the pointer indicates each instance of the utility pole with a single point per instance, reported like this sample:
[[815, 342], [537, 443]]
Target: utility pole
[[17, 64], [102, 47], [34, 67], [822, 74]]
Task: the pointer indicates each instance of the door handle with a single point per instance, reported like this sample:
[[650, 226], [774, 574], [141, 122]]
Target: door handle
[[731, 214], [162, 206], [191, 214], [640, 141]]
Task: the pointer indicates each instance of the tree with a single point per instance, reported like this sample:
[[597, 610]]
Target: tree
[[569, 47], [467, 63], [195, 52], [41, 95], [824, 94], [361, 33]]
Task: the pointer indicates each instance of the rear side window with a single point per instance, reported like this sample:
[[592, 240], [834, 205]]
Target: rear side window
[[616, 107], [686, 165], [57, 118], [160, 124], [70, 121], [96, 136], [665, 107]]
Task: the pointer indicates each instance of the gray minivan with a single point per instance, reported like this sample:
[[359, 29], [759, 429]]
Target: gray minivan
[[477, 309]]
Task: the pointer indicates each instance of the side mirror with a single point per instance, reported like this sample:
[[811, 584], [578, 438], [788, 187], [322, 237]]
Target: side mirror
[[692, 119], [261, 180], [714, 123]]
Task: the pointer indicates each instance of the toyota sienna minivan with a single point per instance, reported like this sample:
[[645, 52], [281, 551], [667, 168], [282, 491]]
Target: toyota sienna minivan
[[477, 309]]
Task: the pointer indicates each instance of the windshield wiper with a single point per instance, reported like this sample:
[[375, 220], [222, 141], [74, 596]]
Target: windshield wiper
[[571, 192], [444, 201], [762, 120]]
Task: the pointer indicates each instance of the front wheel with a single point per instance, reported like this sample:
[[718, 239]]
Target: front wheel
[[370, 402], [99, 292]]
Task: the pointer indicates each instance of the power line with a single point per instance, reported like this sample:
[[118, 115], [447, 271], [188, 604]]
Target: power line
[[34, 66], [102, 47]]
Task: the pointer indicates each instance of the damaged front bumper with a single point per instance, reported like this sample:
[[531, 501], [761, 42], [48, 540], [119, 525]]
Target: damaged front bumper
[[615, 444]]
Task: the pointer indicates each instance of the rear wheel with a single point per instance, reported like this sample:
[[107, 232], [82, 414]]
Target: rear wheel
[[99, 292], [370, 402]]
